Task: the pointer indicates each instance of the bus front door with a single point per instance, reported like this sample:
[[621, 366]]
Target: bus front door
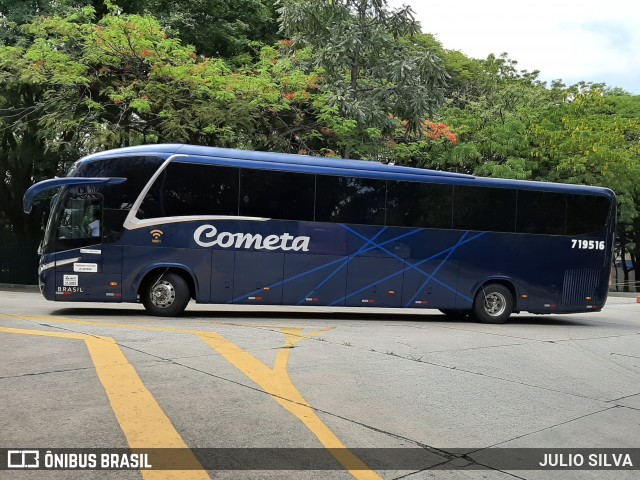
[[86, 269]]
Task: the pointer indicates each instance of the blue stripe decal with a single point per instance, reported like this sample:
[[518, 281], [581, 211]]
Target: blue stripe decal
[[334, 262], [290, 279], [369, 246], [313, 270], [414, 266], [344, 264], [411, 266], [435, 272]]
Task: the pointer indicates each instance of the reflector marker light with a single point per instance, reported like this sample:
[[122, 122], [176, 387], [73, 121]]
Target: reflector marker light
[[113, 284], [421, 302], [391, 292], [368, 301], [311, 299], [524, 296], [257, 299]]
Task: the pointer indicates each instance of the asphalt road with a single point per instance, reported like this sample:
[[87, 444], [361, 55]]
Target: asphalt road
[[96, 376]]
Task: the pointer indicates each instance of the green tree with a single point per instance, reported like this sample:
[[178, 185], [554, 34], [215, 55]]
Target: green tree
[[79, 85], [370, 76], [221, 28], [491, 107], [593, 137]]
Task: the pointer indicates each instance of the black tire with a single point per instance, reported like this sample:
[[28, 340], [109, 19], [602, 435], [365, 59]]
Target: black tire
[[493, 304], [166, 296], [455, 314]]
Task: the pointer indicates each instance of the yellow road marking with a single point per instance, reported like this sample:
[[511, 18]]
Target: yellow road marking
[[35, 318], [274, 381], [142, 420], [277, 383]]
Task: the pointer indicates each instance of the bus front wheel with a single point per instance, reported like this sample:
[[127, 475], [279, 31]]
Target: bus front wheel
[[166, 296], [493, 304]]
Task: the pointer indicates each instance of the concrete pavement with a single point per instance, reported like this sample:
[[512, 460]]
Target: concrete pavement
[[92, 375]]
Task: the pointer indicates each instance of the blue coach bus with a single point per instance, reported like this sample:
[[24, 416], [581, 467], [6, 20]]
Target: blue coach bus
[[163, 224]]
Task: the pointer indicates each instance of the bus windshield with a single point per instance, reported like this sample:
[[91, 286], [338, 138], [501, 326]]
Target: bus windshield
[[78, 221]]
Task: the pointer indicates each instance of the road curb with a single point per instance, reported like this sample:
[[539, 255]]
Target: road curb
[[19, 288]]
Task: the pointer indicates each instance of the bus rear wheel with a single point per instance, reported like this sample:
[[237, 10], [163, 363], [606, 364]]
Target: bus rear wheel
[[493, 304], [167, 296]]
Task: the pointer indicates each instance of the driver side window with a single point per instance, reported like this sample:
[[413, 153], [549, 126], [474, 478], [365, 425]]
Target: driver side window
[[81, 221]]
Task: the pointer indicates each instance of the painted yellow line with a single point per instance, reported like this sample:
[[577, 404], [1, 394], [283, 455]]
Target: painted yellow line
[[277, 383], [141, 418], [41, 318]]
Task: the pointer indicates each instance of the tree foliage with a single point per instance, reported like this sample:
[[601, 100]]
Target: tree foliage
[[370, 74], [224, 28], [340, 78], [79, 85]]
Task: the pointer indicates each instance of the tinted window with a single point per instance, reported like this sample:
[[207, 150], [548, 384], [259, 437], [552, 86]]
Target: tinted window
[[191, 189], [586, 214], [118, 199], [350, 200], [411, 204], [486, 209], [284, 195], [541, 212], [80, 221], [137, 171]]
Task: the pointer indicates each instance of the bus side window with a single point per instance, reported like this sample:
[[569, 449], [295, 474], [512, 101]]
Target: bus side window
[[118, 198], [484, 209], [350, 200], [541, 212], [274, 194], [184, 189], [80, 222], [413, 204], [586, 214]]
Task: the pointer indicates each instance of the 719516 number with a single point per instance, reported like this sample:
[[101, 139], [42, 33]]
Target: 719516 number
[[587, 244]]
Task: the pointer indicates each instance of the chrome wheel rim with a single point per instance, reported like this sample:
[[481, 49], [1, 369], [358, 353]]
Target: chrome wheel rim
[[495, 304], [163, 294]]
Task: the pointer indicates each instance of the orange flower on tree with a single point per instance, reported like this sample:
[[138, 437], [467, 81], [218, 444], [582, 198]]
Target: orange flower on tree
[[435, 130]]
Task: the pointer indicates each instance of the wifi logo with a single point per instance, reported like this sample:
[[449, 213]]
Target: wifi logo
[[156, 236]]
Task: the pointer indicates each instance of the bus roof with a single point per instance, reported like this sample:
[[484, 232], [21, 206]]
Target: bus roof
[[336, 166]]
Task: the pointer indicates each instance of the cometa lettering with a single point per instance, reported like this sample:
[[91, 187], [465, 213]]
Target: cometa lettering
[[208, 236]]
